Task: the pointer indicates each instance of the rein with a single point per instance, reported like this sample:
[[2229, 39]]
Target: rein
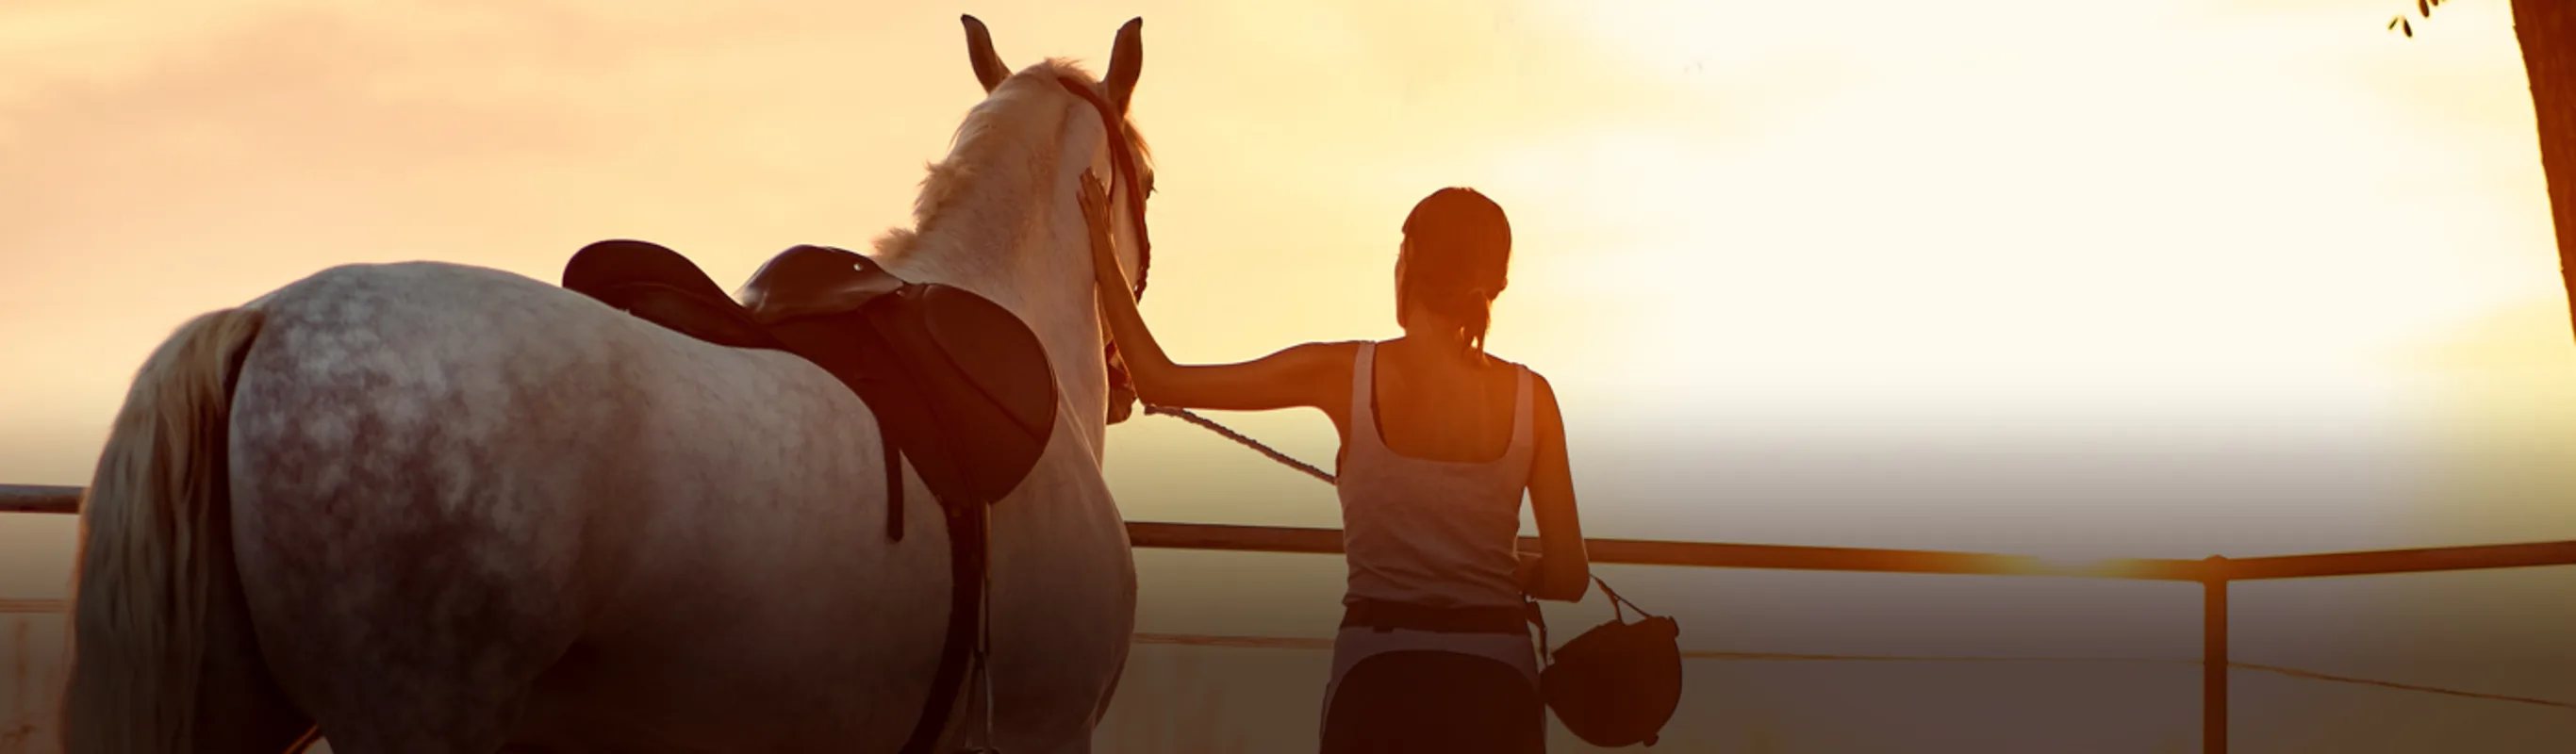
[[1122, 163]]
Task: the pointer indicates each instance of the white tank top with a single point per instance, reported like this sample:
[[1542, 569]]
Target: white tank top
[[1430, 533]]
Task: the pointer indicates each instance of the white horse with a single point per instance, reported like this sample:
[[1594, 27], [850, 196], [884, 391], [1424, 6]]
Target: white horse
[[434, 508]]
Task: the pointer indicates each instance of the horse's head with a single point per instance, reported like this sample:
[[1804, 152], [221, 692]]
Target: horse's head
[[1122, 157], [1044, 128]]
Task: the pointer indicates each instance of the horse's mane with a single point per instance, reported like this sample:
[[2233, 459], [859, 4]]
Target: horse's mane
[[984, 134]]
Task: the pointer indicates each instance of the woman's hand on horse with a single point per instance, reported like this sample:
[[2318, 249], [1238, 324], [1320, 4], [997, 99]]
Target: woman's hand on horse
[[1094, 197]]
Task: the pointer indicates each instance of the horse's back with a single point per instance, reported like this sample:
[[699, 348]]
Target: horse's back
[[475, 473]]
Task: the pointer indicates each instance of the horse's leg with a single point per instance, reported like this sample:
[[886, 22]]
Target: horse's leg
[[1064, 604]]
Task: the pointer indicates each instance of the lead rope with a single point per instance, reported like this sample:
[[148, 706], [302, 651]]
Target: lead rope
[[1283, 458], [1616, 601], [1184, 415], [1536, 616]]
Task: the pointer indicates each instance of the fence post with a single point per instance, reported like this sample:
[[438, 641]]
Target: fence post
[[2213, 656]]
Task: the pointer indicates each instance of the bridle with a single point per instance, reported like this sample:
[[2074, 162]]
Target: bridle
[[1122, 162]]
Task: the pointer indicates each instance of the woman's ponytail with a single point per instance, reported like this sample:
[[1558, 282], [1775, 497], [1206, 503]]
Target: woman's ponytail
[[1461, 247]]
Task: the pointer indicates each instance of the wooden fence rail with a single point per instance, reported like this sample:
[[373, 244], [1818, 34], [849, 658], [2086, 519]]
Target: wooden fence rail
[[2214, 573]]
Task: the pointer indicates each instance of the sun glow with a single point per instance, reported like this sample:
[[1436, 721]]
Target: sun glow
[[2092, 221]]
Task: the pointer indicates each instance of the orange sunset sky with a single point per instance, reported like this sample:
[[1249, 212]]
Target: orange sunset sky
[[2113, 277]]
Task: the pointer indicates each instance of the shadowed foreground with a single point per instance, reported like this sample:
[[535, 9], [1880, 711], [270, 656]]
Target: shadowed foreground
[[1234, 700]]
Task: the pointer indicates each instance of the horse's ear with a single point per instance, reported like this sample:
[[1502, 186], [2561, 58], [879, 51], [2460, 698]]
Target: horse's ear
[[979, 51], [1126, 59]]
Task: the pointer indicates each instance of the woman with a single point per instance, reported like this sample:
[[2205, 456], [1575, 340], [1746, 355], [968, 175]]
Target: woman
[[1439, 441]]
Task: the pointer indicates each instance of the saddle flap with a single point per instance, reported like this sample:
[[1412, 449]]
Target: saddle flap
[[997, 352], [808, 281], [986, 374]]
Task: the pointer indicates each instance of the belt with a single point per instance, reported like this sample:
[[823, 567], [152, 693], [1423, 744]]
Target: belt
[[1389, 616]]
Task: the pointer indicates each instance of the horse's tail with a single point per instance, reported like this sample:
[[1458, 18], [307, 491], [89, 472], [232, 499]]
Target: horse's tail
[[147, 529]]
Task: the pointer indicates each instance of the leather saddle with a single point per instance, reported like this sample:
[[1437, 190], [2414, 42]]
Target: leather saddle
[[959, 386]]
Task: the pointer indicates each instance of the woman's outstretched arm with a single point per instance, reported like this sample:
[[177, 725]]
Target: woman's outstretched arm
[[1563, 570], [1304, 375]]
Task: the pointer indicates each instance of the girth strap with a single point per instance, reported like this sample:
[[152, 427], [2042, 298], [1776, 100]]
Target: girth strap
[[968, 527], [894, 485]]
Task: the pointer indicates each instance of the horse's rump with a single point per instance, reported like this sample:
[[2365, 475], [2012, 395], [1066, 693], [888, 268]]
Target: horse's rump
[[478, 474]]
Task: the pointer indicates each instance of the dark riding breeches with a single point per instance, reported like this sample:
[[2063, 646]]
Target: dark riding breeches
[[1426, 701]]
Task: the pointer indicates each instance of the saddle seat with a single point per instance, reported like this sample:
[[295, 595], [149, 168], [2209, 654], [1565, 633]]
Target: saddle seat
[[959, 386]]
